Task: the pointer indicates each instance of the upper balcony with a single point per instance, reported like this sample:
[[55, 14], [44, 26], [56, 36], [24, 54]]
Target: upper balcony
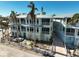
[[45, 21], [70, 31], [23, 21]]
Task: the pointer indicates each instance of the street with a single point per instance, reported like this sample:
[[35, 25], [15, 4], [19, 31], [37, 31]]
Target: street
[[7, 51]]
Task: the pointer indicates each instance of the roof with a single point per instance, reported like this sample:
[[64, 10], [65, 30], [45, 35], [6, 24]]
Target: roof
[[47, 16], [63, 16], [38, 16]]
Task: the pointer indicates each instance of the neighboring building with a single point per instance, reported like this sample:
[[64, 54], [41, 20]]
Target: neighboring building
[[41, 28], [69, 34]]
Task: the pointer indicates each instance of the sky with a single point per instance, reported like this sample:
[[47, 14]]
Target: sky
[[50, 7]]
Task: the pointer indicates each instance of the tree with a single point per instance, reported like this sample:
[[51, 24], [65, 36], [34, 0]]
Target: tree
[[74, 19], [4, 25], [1, 24], [15, 21], [32, 14]]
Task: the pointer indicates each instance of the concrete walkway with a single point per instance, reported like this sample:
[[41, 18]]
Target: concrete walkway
[[59, 46], [60, 52]]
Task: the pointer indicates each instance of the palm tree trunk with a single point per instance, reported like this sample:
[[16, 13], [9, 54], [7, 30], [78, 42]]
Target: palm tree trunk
[[17, 32]]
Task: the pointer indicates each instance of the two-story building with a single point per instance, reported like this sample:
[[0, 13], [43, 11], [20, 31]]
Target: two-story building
[[41, 28], [68, 33]]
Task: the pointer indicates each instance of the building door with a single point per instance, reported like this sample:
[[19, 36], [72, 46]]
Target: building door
[[24, 35]]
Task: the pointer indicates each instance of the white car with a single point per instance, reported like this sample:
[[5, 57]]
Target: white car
[[18, 39]]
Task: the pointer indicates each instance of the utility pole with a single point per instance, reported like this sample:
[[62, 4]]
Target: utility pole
[[53, 39]]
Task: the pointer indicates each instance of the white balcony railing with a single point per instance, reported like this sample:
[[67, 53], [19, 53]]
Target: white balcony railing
[[45, 23], [69, 33]]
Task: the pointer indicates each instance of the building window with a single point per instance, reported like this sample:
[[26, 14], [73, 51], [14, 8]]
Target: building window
[[31, 29], [23, 21], [12, 33], [70, 31], [24, 35], [37, 29], [23, 28], [27, 28], [15, 34], [27, 21], [13, 27], [30, 21], [45, 21], [37, 21], [45, 30], [19, 28], [78, 32]]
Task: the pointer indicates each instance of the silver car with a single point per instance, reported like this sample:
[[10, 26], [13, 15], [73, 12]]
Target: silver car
[[17, 39]]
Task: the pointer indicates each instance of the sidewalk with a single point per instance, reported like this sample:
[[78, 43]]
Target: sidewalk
[[60, 52], [60, 49]]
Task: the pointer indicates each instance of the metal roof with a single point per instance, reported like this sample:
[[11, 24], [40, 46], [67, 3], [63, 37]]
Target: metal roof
[[38, 16]]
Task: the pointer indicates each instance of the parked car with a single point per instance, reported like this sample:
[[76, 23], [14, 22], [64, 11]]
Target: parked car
[[19, 39]]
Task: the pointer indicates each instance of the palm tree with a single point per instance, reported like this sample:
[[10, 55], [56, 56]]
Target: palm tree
[[32, 14], [15, 21]]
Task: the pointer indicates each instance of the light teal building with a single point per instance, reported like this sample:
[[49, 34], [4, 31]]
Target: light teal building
[[41, 28], [69, 34]]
